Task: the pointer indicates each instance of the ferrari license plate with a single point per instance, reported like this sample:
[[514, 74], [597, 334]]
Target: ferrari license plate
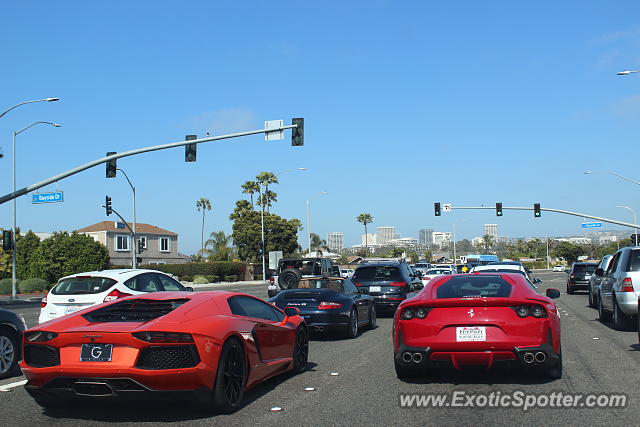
[[374, 289], [471, 333], [96, 352]]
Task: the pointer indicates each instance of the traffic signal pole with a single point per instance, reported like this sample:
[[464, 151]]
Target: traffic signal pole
[[561, 211], [32, 187]]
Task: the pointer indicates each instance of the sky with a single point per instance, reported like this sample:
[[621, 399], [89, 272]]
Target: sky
[[406, 103]]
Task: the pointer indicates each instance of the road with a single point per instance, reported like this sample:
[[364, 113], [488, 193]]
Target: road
[[597, 359]]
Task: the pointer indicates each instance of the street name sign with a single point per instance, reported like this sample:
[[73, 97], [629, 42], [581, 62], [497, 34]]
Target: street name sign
[[274, 136], [446, 207], [591, 224], [55, 197]]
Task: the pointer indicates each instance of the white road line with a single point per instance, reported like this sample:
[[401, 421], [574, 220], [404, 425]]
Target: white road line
[[9, 386]]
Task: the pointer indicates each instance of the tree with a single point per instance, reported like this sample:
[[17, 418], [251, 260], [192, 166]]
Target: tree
[[487, 241], [217, 247], [281, 233], [569, 251], [63, 254], [26, 246], [318, 244], [250, 188], [269, 197], [203, 205], [264, 179], [364, 219]]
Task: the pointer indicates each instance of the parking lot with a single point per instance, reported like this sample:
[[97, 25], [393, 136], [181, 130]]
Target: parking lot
[[365, 390]]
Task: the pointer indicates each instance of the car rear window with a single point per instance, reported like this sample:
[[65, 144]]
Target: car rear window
[[83, 285], [499, 270], [633, 264], [474, 286], [377, 273], [584, 268]]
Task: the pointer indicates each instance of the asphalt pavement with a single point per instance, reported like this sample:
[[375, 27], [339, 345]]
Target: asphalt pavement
[[365, 390]]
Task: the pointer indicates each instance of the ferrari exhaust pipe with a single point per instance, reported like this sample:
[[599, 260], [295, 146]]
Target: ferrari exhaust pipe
[[406, 357], [528, 357], [540, 357], [417, 357]]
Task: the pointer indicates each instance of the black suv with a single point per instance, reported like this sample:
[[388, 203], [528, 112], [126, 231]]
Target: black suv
[[291, 270], [387, 282], [579, 276]]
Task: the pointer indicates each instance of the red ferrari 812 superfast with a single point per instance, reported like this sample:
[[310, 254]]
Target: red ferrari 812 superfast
[[212, 344], [481, 320]]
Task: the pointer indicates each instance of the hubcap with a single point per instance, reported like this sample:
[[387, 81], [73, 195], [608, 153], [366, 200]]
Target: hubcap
[[6, 354], [233, 375], [302, 349]]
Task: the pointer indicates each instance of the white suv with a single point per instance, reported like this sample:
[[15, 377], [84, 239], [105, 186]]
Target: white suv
[[83, 290]]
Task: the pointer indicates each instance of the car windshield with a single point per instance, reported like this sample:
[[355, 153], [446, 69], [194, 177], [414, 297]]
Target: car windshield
[[438, 271], [83, 285], [377, 273], [469, 286], [584, 268]]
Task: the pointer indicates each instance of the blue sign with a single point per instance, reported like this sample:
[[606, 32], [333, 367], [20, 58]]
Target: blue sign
[[55, 197], [591, 224]]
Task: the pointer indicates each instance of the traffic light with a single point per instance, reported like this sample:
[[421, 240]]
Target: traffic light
[[140, 246], [107, 205], [297, 133], [190, 149], [498, 209], [436, 207], [7, 240], [260, 250], [111, 166], [536, 210]]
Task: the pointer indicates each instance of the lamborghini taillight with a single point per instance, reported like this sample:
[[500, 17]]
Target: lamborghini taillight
[[164, 337]]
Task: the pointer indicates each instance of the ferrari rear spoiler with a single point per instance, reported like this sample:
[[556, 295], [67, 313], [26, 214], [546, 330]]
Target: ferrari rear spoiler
[[474, 302]]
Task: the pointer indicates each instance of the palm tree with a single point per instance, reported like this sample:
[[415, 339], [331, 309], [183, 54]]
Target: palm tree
[[318, 244], [487, 241], [203, 205], [217, 247], [265, 179], [250, 188], [364, 219], [269, 196]]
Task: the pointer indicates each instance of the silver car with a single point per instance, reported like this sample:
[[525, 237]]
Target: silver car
[[619, 289], [594, 281]]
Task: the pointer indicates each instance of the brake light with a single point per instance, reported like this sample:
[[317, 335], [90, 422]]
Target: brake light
[[163, 337], [272, 280], [39, 336], [115, 294], [328, 305], [627, 285], [399, 284], [359, 284], [43, 302]]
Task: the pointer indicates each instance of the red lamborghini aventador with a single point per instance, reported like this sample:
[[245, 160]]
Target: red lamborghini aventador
[[215, 344], [478, 320]]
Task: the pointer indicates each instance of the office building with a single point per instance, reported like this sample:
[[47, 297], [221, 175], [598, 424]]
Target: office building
[[335, 241], [425, 236]]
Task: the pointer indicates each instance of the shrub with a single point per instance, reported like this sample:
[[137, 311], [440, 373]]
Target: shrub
[[231, 278], [199, 280], [186, 278], [215, 268], [31, 286], [211, 278], [5, 286]]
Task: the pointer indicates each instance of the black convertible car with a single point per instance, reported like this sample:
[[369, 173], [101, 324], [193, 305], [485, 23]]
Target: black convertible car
[[330, 303], [12, 326]]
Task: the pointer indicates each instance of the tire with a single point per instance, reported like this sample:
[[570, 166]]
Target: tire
[[352, 328], [231, 376], [620, 321], [372, 317], [301, 351], [289, 279], [8, 354], [569, 289], [404, 372], [603, 315], [556, 372]]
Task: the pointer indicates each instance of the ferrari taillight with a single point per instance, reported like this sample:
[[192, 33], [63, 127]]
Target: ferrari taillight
[[417, 312], [535, 310], [627, 285], [43, 302], [328, 305], [163, 337], [115, 294]]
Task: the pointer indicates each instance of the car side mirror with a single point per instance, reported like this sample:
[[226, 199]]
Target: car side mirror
[[599, 272], [291, 311], [188, 288], [553, 293], [536, 280]]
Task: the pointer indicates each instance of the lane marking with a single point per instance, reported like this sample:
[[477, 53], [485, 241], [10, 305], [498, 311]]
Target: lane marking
[[9, 386]]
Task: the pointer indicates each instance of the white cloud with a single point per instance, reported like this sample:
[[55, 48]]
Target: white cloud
[[226, 121]]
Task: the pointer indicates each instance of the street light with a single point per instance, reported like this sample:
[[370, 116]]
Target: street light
[[134, 262], [309, 220], [624, 73], [613, 173], [30, 102], [13, 238], [635, 230], [264, 268]]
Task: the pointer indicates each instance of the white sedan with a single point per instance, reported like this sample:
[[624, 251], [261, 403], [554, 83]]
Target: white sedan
[[559, 268], [433, 272]]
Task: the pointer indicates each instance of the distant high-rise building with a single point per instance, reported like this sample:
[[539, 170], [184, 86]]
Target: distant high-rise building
[[441, 238], [385, 234], [336, 241], [491, 230], [425, 236], [369, 239]]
